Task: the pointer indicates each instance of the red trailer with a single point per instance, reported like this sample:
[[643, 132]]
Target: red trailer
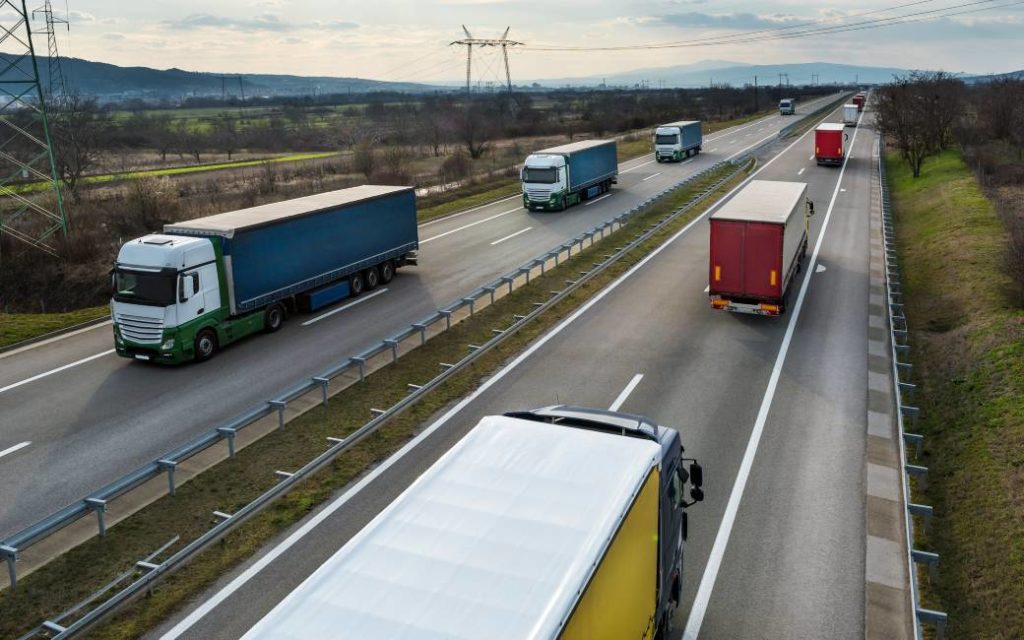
[[758, 241], [829, 147], [859, 100]]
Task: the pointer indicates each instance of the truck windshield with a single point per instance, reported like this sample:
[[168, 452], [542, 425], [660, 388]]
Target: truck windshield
[[543, 176], [144, 288], [666, 138]]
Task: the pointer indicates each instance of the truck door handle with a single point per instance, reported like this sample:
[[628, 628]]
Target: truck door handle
[[200, 311]]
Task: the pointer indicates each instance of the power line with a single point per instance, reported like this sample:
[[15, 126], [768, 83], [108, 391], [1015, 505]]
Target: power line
[[744, 38]]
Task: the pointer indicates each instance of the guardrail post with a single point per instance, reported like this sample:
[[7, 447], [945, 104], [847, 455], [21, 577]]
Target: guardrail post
[[99, 507], [422, 328], [228, 434], [168, 466], [11, 555], [447, 319], [361, 363], [491, 289], [915, 439], [394, 348], [279, 406], [922, 510], [471, 302], [324, 384], [936, 618], [928, 558], [919, 472], [510, 279]]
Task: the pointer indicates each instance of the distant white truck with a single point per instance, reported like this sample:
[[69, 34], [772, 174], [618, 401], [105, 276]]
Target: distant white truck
[[787, 107], [850, 113]]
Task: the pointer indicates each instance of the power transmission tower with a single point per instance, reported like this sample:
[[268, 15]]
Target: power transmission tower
[[469, 42], [57, 88], [26, 145]]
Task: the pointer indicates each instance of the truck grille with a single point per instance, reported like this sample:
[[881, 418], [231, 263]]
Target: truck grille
[[538, 194], [140, 329]]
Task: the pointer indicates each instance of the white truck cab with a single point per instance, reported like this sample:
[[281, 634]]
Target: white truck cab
[[160, 284], [545, 178]]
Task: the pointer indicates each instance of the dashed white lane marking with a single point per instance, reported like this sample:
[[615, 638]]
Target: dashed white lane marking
[[17, 447], [655, 175], [471, 224], [801, 172], [624, 395], [510, 236], [590, 202], [346, 306]]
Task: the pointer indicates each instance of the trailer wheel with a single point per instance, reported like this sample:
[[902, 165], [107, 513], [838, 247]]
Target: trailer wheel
[[372, 278], [387, 271], [356, 284], [205, 345], [273, 318]]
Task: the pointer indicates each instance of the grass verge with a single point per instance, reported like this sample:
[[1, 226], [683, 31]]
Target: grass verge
[[968, 356], [228, 486], [462, 198], [18, 327]]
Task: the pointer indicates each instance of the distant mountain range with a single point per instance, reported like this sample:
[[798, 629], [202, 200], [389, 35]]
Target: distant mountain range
[[111, 82]]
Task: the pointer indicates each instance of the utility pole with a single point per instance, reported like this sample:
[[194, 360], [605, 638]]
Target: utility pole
[[469, 42], [756, 107], [26, 144]]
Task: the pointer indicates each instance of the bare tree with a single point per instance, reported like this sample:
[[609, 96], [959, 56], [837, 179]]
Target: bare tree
[[226, 135], [917, 112], [79, 126], [474, 131]]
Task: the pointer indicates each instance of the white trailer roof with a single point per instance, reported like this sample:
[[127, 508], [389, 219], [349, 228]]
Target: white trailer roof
[[494, 541], [763, 201], [575, 146], [681, 123], [226, 224], [831, 126]]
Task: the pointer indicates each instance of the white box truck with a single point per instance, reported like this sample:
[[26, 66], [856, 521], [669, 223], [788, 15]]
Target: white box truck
[[559, 522], [850, 113]]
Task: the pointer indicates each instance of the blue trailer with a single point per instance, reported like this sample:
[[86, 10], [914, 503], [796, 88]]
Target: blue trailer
[[676, 141], [204, 283], [559, 177]]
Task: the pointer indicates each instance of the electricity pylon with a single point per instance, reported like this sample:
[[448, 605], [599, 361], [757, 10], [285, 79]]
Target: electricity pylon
[[469, 42], [26, 144]]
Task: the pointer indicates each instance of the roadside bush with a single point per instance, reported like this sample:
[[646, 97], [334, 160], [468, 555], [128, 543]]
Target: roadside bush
[[455, 167]]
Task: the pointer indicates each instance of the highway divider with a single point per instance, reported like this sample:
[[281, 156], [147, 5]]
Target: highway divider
[[903, 391], [343, 375]]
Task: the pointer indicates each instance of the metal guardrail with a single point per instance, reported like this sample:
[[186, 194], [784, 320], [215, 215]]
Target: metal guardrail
[[355, 368], [899, 341]]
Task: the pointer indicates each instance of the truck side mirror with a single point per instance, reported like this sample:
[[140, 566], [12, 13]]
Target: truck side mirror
[[686, 526], [696, 494], [846, 136], [696, 476], [810, 208]]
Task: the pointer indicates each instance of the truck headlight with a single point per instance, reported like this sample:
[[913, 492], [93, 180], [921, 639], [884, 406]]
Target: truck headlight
[[118, 340], [167, 345]]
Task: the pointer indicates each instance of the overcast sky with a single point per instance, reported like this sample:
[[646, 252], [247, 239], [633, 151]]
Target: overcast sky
[[408, 39]]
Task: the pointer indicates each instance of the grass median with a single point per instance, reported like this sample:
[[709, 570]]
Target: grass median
[[18, 327], [228, 486], [967, 335]]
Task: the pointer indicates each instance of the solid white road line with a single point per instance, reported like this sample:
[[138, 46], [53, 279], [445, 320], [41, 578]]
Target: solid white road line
[[63, 336], [621, 400], [17, 447], [200, 612], [345, 306], [53, 371], [471, 224], [590, 202], [801, 171], [446, 218], [653, 175], [510, 236], [707, 581]]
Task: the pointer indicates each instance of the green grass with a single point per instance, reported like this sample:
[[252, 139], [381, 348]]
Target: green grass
[[230, 485], [435, 206], [968, 356], [18, 327], [177, 171]]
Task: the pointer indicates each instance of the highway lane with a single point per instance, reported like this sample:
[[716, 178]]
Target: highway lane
[[96, 420], [793, 566]]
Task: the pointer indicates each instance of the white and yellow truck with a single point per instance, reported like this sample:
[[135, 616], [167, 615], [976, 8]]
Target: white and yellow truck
[[560, 522]]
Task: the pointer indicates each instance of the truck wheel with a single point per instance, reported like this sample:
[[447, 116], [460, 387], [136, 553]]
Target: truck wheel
[[372, 278], [205, 345], [387, 272], [355, 284], [273, 318]]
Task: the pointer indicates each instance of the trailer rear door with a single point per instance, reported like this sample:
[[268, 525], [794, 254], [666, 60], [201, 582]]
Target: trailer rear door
[[762, 258], [726, 256]]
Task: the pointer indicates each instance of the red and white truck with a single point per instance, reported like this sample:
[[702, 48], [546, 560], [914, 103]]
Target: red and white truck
[[758, 242], [859, 100], [829, 143]]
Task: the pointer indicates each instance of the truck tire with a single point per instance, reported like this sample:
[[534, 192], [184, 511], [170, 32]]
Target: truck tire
[[273, 318], [387, 271], [205, 345], [356, 284], [372, 278]]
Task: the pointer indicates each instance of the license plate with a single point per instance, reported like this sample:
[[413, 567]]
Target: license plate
[[139, 356]]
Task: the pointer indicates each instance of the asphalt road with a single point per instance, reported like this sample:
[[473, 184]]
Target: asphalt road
[[89, 416], [774, 409]]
